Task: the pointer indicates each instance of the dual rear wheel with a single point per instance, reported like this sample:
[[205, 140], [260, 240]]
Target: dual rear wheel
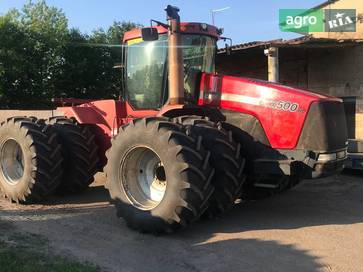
[[30, 160], [41, 157], [164, 174]]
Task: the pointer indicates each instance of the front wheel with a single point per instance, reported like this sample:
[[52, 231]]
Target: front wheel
[[158, 177]]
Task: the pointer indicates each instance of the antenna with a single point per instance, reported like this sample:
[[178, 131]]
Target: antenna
[[213, 11]]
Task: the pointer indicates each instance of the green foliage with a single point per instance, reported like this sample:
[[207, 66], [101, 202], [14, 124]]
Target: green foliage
[[40, 58], [16, 259], [29, 253], [32, 41]]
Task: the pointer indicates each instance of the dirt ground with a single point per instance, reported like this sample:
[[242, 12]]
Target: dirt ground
[[317, 226]]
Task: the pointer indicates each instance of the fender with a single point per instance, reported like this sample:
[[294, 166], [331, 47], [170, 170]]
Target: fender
[[281, 110], [179, 110], [108, 115], [104, 118], [101, 113]]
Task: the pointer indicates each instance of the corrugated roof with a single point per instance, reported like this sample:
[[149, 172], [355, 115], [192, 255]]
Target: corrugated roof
[[252, 44], [324, 4], [304, 41]]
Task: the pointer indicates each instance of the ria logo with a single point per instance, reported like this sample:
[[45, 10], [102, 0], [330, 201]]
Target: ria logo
[[337, 20], [317, 20], [340, 21]]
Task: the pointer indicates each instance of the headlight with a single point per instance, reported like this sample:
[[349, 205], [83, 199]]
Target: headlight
[[327, 157], [341, 154]]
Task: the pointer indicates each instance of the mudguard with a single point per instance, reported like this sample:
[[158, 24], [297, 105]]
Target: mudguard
[[283, 130], [280, 110]]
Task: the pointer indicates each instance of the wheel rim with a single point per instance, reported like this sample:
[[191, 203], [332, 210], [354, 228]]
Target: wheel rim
[[143, 177], [12, 161]]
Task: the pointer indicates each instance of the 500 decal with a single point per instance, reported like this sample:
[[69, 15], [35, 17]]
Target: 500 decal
[[282, 105], [257, 101], [287, 106]]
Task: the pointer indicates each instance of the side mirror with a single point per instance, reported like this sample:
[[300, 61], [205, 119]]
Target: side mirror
[[149, 34], [228, 48]]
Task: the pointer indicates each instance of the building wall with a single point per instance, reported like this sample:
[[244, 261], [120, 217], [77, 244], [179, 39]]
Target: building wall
[[251, 63], [359, 119], [336, 71], [344, 4], [293, 67], [339, 72]]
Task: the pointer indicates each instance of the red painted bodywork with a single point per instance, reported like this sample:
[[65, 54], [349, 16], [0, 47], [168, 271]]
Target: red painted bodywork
[[254, 97], [249, 96], [104, 117], [261, 99]]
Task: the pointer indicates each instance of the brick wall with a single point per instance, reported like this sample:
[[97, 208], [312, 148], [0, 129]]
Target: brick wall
[[359, 119], [336, 71]]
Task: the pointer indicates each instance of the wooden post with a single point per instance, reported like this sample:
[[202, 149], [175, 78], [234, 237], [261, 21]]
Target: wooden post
[[273, 64]]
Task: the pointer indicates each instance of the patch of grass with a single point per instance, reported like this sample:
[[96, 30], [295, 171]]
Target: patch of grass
[[16, 259], [21, 252]]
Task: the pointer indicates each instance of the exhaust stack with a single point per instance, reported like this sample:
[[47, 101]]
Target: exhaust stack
[[175, 57]]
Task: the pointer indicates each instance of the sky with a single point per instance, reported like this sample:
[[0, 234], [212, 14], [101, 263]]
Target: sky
[[244, 21]]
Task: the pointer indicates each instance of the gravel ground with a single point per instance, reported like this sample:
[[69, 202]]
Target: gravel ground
[[317, 226]]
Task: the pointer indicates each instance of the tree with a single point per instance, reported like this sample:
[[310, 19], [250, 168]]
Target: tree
[[90, 60], [115, 33], [31, 54], [40, 58]]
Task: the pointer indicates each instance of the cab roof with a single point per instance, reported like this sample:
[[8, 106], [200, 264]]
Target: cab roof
[[186, 28]]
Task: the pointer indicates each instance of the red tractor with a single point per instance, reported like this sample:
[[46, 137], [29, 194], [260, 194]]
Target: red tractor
[[182, 141]]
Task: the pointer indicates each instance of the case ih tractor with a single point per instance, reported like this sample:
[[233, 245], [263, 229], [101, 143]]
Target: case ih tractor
[[181, 142]]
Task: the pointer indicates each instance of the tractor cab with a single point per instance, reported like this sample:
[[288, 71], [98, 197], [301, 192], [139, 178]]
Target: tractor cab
[[145, 73]]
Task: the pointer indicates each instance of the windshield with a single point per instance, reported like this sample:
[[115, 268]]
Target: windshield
[[146, 75], [198, 56]]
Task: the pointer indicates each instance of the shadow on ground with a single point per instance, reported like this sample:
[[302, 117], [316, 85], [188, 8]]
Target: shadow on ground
[[95, 194], [136, 252], [92, 232]]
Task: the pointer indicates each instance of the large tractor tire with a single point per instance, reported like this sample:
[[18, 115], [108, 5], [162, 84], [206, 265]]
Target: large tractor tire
[[225, 159], [158, 177], [80, 155], [284, 183], [30, 160]]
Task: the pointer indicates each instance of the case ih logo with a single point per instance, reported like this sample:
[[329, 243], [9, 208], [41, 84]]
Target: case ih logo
[[317, 20]]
